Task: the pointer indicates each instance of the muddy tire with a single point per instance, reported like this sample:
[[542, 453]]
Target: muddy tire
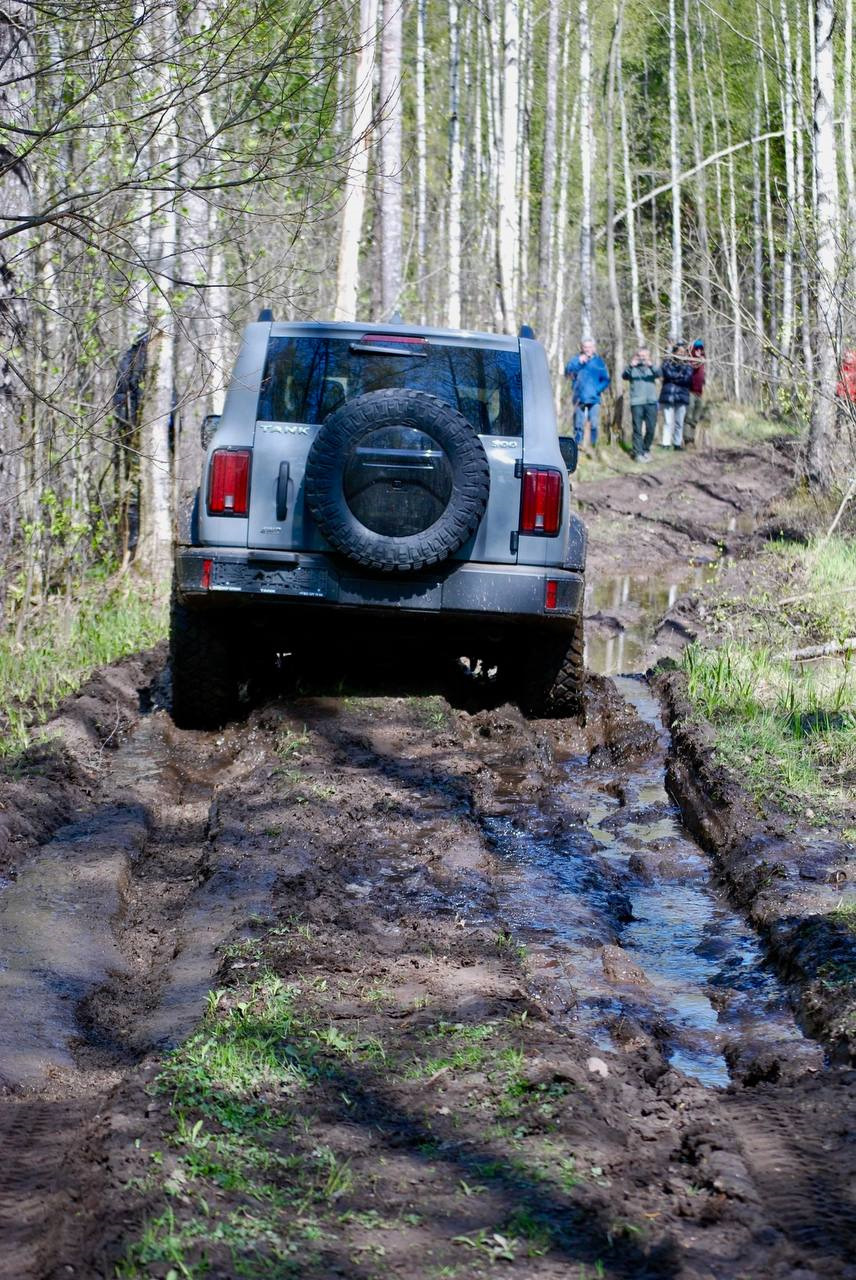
[[552, 672], [204, 671], [397, 480]]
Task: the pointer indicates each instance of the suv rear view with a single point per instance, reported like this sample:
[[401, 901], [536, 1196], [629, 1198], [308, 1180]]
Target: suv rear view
[[384, 485]]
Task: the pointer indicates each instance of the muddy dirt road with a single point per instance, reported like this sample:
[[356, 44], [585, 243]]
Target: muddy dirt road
[[481, 1005]]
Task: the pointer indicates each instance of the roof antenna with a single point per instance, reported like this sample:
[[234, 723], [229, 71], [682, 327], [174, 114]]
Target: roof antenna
[[265, 316], [395, 318]]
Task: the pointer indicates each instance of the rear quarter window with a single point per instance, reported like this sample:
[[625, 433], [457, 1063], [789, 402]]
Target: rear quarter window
[[306, 379]]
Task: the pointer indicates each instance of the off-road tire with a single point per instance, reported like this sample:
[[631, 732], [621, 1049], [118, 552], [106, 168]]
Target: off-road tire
[[204, 672], [552, 673], [325, 469]]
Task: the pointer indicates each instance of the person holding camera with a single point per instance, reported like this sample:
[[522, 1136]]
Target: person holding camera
[[589, 379], [642, 374], [675, 395], [692, 425]]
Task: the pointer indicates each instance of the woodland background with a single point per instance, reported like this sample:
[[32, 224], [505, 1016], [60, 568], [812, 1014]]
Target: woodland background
[[681, 169]]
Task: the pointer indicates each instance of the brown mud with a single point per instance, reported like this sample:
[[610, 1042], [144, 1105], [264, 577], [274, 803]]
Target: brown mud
[[582, 1059]]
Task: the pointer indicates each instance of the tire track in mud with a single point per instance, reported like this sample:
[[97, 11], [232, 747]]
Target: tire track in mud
[[109, 939]]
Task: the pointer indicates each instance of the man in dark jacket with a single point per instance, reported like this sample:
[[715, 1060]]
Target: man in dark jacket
[[589, 379], [694, 410], [642, 376], [675, 395]]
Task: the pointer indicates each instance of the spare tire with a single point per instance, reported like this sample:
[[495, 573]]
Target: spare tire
[[397, 480]]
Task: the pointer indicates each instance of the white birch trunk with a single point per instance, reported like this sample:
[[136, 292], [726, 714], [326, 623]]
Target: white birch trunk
[[828, 284], [548, 171], [453, 311], [156, 490], [586, 175], [421, 162], [632, 256], [786, 333], [849, 237], [508, 231], [676, 287], [806, 325], [612, 272], [391, 217], [347, 276]]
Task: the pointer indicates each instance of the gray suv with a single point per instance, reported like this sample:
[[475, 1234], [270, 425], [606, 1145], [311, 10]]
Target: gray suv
[[388, 486]]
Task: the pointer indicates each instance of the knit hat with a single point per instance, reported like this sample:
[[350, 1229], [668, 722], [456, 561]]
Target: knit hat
[[698, 345]]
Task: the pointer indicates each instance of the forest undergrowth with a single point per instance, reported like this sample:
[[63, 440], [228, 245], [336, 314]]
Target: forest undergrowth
[[103, 618], [787, 726]]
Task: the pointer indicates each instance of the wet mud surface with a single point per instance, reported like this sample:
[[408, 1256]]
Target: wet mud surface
[[553, 1041]]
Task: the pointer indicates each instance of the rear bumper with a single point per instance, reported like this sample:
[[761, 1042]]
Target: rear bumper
[[235, 577]]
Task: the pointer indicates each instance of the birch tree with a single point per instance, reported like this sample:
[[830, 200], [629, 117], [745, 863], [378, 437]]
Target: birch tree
[[391, 230], [548, 170], [586, 175], [828, 284], [453, 314], [356, 179], [676, 289], [508, 207]]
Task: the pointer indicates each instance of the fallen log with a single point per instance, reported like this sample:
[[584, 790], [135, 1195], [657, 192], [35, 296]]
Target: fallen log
[[829, 650]]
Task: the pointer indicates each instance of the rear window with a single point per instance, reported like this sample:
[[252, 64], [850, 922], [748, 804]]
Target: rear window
[[305, 379]]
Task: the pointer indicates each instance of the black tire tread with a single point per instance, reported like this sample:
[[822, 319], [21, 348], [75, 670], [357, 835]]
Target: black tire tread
[[204, 679], [553, 674]]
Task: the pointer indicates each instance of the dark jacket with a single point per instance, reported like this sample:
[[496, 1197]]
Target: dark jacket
[[590, 380], [643, 382], [677, 376]]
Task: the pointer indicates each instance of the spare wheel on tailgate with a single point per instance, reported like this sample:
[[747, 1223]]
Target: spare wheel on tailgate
[[397, 480]]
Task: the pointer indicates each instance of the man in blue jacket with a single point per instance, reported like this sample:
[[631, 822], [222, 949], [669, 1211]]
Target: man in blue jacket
[[589, 380]]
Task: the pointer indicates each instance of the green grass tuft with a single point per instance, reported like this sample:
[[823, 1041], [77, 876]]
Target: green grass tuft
[[64, 642]]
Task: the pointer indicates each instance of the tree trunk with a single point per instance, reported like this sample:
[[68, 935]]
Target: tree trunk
[[633, 260], [453, 311], [17, 93], [676, 289], [704, 266], [786, 333], [421, 163], [546, 281], [390, 158], [614, 296], [586, 175], [849, 238], [508, 203], [347, 276], [156, 495], [818, 461]]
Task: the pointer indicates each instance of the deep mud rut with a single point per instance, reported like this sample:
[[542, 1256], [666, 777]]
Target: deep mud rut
[[582, 1062]]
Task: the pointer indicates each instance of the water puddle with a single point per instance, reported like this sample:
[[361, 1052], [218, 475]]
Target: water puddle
[[624, 609], [627, 932]]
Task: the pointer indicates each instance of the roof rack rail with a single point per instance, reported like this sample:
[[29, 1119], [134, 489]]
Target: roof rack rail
[[265, 316]]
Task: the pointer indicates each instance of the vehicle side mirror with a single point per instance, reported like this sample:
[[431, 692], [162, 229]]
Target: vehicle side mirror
[[210, 423], [569, 452]]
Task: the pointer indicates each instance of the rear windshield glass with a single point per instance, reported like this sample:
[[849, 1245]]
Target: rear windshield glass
[[305, 379]]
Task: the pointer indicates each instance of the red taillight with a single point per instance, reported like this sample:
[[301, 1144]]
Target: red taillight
[[230, 482], [551, 594], [541, 504]]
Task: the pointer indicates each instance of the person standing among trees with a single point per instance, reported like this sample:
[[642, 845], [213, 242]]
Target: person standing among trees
[[675, 395], [589, 379], [642, 376], [692, 425]]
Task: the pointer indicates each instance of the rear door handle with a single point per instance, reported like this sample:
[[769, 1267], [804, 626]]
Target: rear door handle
[[282, 491]]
